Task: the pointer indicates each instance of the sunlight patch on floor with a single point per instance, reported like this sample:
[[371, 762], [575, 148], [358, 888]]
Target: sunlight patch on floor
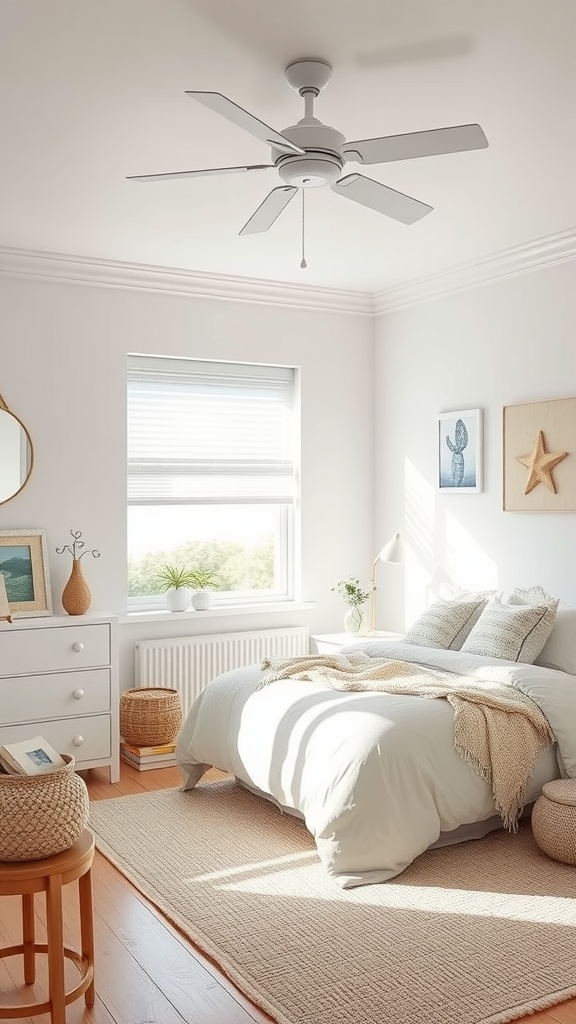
[[263, 865], [310, 885]]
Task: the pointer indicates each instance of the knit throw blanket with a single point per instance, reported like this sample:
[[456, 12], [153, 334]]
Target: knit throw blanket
[[498, 730]]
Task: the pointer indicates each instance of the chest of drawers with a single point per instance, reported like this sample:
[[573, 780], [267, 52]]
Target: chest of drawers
[[59, 680]]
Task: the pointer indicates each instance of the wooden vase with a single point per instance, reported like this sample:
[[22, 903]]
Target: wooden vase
[[76, 596]]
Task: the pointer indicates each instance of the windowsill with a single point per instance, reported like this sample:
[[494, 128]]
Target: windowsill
[[228, 611]]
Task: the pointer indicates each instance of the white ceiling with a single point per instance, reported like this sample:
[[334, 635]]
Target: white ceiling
[[93, 90]]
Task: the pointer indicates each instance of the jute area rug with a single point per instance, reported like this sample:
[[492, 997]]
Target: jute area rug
[[479, 933]]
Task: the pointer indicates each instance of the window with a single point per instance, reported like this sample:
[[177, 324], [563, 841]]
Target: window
[[211, 477]]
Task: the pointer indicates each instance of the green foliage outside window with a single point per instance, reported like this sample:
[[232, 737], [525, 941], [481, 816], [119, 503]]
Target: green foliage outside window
[[237, 567]]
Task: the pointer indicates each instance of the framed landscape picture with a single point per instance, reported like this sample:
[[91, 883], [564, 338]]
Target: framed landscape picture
[[460, 451], [24, 568]]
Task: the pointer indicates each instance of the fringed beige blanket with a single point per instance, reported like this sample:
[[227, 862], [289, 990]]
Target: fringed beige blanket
[[499, 731]]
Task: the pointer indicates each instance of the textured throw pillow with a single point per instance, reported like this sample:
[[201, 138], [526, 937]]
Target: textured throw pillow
[[559, 651], [445, 624], [452, 592], [535, 596], [511, 632], [532, 595]]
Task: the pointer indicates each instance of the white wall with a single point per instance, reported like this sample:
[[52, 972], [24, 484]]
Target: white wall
[[63, 371], [509, 342]]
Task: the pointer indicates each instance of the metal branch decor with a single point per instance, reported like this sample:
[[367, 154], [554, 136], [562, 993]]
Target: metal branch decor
[[540, 456], [76, 596]]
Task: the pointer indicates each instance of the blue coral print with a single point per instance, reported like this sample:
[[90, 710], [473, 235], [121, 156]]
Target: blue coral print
[[458, 453]]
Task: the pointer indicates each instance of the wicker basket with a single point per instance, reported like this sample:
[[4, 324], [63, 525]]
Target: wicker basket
[[150, 715], [554, 820], [41, 815]]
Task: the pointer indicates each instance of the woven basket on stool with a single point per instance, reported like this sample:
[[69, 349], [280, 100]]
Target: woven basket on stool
[[554, 820], [41, 815], [150, 715]]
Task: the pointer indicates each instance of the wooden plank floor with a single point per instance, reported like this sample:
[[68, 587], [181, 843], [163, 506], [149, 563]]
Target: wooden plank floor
[[146, 971]]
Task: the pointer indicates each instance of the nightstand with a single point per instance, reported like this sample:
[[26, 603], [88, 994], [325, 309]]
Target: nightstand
[[331, 643]]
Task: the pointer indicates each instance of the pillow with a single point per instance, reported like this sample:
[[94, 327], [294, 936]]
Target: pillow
[[534, 596], [446, 623], [559, 651], [531, 595], [512, 632], [452, 592]]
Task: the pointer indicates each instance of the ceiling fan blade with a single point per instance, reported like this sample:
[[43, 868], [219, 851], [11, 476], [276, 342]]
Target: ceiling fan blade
[[198, 174], [269, 210], [381, 198], [232, 112], [415, 144]]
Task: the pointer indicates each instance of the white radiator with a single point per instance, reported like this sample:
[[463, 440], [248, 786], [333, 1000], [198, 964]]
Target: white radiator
[[188, 663]]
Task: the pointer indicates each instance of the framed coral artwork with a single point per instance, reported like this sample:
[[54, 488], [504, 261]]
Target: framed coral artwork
[[460, 451]]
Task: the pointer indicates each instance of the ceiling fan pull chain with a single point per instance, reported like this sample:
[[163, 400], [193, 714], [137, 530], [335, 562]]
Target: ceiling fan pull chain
[[303, 264]]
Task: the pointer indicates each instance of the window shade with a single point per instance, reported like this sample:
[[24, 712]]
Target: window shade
[[209, 432]]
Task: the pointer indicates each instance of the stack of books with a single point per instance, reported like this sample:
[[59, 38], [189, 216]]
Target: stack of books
[[145, 758], [29, 757]]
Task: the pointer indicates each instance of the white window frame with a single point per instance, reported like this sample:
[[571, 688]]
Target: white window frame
[[288, 537]]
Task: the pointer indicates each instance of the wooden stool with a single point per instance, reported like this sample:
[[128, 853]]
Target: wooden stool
[[25, 878]]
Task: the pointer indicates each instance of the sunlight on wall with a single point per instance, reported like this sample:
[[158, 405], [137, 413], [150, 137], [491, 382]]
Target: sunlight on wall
[[438, 547], [419, 540], [466, 563], [419, 513]]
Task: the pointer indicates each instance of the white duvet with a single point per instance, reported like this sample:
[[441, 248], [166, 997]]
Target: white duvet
[[374, 775]]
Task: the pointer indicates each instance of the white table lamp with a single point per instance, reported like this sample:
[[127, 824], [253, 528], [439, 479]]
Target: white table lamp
[[393, 551]]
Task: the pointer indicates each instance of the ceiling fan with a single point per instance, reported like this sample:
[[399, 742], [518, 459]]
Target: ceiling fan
[[311, 154]]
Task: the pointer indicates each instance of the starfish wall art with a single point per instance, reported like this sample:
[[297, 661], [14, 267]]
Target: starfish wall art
[[540, 463], [540, 456]]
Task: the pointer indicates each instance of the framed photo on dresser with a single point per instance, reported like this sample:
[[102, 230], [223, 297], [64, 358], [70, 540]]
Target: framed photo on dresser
[[24, 569]]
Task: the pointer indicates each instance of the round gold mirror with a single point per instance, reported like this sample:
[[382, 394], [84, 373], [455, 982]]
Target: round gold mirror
[[16, 454]]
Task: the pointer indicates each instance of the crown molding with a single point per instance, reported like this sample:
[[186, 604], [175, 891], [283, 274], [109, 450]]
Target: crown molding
[[85, 270], [521, 259]]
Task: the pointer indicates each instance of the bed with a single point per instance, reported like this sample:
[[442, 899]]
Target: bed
[[374, 776]]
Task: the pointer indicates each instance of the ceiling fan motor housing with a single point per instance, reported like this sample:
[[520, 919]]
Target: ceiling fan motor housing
[[323, 162], [310, 171], [308, 74]]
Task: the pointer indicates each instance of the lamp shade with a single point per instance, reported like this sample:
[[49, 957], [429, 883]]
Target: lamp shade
[[393, 551]]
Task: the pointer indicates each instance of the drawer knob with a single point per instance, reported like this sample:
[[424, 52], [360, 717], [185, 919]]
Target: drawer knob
[[78, 694], [78, 741], [78, 646]]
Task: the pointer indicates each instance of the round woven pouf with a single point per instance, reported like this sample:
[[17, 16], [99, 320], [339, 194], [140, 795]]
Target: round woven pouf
[[150, 715], [41, 815], [554, 820]]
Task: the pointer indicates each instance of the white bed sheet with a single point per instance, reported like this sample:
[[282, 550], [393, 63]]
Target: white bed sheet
[[374, 775]]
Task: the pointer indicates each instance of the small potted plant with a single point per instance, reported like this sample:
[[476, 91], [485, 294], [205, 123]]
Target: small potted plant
[[176, 582], [356, 598], [203, 582]]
